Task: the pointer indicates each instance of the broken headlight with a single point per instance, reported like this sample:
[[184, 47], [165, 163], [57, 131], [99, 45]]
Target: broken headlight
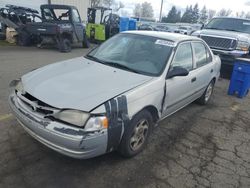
[[74, 117]]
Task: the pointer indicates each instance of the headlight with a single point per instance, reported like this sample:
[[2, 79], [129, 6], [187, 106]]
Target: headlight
[[74, 117], [244, 46], [196, 34], [96, 123]]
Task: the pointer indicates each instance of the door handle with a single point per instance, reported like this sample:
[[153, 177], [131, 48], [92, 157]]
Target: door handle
[[212, 70], [193, 79]]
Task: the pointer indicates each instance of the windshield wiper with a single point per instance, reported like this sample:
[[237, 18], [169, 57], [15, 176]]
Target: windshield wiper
[[212, 28], [94, 59], [110, 63], [117, 65], [231, 30]]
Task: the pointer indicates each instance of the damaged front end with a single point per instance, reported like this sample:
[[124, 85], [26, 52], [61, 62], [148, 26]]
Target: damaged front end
[[71, 132]]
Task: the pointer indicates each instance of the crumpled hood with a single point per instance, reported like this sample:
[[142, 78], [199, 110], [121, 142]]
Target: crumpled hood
[[79, 83], [221, 33]]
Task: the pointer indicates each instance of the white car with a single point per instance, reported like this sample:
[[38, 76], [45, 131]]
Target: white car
[[185, 30], [112, 98]]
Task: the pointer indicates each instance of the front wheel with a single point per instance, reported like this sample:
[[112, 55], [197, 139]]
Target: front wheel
[[64, 45], [85, 42], [136, 135], [205, 98]]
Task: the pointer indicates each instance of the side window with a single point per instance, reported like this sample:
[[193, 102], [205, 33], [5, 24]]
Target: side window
[[209, 56], [76, 16], [201, 54], [183, 57]]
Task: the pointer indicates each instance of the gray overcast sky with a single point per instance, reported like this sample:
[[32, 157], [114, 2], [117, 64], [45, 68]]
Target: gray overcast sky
[[235, 5]]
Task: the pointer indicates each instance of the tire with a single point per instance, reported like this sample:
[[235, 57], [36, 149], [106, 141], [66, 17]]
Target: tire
[[65, 45], [136, 135], [85, 42], [205, 98], [23, 39]]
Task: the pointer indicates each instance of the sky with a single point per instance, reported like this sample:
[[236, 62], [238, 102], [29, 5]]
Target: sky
[[234, 5]]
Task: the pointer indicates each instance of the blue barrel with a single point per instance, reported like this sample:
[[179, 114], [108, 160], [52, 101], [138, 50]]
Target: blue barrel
[[240, 80], [132, 24], [124, 22]]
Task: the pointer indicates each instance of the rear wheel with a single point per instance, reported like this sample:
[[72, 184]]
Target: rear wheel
[[205, 98], [64, 45], [136, 135], [23, 39]]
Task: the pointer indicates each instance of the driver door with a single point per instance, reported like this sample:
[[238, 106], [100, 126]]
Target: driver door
[[78, 26], [180, 89]]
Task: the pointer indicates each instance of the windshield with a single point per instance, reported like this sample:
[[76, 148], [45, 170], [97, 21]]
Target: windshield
[[136, 53], [56, 14], [230, 24]]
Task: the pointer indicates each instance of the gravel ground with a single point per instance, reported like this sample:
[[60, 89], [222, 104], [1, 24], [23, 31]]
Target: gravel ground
[[199, 146]]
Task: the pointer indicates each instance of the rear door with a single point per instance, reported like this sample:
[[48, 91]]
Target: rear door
[[77, 22], [180, 89], [204, 67]]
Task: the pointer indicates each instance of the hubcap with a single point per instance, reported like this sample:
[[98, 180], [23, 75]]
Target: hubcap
[[139, 135], [209, 91]]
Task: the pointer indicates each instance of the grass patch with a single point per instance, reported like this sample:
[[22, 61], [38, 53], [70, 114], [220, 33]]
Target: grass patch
[[5, 43]]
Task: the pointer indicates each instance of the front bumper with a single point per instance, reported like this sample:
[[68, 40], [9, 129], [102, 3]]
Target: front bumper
[[233, 53], [65, 139]]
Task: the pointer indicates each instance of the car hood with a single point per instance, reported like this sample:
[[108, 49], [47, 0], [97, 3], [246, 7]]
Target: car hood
[[222, 33], [79, 83]]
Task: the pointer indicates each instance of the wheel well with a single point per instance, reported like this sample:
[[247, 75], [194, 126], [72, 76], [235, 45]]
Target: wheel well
[[154, 112], [214, 79]]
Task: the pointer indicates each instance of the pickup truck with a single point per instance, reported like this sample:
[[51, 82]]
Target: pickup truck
[[227, 37]]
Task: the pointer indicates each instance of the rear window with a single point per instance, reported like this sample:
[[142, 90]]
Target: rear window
[[56, 14]]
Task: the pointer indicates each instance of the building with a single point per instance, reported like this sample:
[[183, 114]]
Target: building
[[82, 5]]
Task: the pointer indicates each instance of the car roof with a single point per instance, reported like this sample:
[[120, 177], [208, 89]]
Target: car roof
[[175, 37], [237, 18], [57, 6]]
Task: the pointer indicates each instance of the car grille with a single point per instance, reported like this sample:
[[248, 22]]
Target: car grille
[[35, 105], [220, 43]]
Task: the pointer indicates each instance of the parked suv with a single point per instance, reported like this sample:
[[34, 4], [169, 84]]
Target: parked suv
[[227, 37]]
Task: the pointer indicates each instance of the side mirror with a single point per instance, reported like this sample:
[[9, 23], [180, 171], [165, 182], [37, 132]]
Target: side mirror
[[177, 71], [202, 26]]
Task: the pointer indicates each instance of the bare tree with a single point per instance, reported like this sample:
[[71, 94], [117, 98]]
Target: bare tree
[[248, 15], [108, 3], [224, 12], [147, 10], [241, 14], [137, 10], [95, 3], [118, 6], [211, 14]]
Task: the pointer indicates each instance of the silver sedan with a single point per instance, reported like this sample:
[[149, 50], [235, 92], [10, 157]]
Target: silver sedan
[[112, 98]]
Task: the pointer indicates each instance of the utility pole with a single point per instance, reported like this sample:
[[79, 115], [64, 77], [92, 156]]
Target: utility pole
[[161, 11]]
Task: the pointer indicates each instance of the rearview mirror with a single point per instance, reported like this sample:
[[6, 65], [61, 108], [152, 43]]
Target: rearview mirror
[[177, 71]]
